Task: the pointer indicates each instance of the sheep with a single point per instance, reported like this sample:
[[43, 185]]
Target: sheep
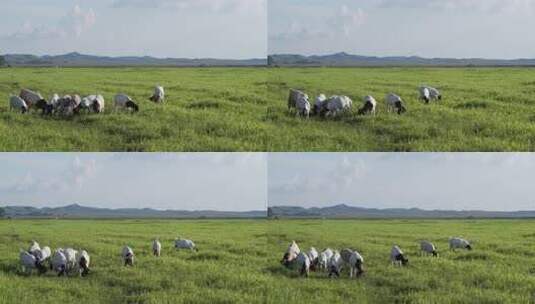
[[42, 255], [27, 261], [425, 94], [395, 103], [291, 253], [31, 97], [71, 256], [461, 243], [303, 106], [337, 104], [354, 260], [428, 248], [83, 263], [67, 106], [335, 264], [159, 95], [314, 258], [93, 103], [156, 248], [320, 105], [128, 256], [369, 107], [295, 95], [397, 256], [303, 264], [98, 104], [429, 93], [434, 93], [324, 257], [34, 247], [185, 244], [59, 262], [18, 104], [124, 101]]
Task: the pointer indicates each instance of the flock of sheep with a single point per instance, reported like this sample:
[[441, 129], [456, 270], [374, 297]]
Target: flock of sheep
[[334, 105], [68, 261], [332, 261], [69, 105]]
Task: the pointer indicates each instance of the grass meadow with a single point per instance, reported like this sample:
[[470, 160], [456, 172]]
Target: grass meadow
[[239, 262]]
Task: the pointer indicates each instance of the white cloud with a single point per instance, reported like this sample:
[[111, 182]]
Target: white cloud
[[243, 6]]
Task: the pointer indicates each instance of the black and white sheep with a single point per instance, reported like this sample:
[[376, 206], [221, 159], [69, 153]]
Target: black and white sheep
[[395, 103], [302, 262], [369, 106], [18, 104], [355, 262], [159, 95], [429, 93], [294, 97], [31, 98], [303, 106], [156, 248], [59, 262], [28, 261], [459, 243], [335, 264], [83, 263], [123, 101], [324, 257], [398, 257], [313, 256], [185, 244], [338, 104], [320, 105], [128, 256], [291, 254], [428, 248]]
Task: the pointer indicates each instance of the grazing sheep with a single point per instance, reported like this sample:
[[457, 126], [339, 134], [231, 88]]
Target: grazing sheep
[[30, 97], [459, 243], [128, 256], [395, 103], [42, 255], [295, 96], [335, 264], [27, 261], [67, 106], [291, 253], [18, 104], [434, 93], [429, 93], [83, 263], [124, 101], [303, 106], [98, 104], [71, 256], [428, 248], [320, 105], [337, 104], [354, 260], [34, 247], [156, 248], [314, 258], [159, 95], [425, 95], [369, 107], [185, 244], [303, 264], [59, 262], [324, 257], [397, 256]]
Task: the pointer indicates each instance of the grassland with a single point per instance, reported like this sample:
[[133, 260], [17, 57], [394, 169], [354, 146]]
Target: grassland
[[484, 109], [227, 269], [207, 109], [500, 269]]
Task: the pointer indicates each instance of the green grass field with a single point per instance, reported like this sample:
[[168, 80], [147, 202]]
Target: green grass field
[[239, 262], [227, 269], [500, 269], [484, 109], [207, 109], [244, 109]]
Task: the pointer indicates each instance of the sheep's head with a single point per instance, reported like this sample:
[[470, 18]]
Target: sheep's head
[[469, 247], [360, 267], [404, 261], [401, 108], [132, 105], [440, 97], [435, 253]]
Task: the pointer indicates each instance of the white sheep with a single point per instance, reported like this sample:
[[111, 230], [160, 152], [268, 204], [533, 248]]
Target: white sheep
[[428, 248], [128, 256], [185, 244], [460, 243], [395, 103], [354, 260], [335, 264], [303, 264], [425, 95], [34, 247], [18, 104], [434, 93], [398, 257], [59, 262], [295, 96], [314, 258], [42, 255], [98, 104], [291, 253], [159, 95], [123, 101], [83, 263], [320, 105], [337, 104], [324, 257], [71, 256], [303, 106], [156, 248], [27, 261], [369, 107]]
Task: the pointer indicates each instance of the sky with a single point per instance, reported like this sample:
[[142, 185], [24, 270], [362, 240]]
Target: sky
[[443, 181], [499, 29], [230, 29], [178, 181]]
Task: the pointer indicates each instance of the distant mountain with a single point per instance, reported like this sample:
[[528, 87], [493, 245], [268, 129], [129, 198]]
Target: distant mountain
[[345, 211], [77, 211], [77, 59], [348, 60]]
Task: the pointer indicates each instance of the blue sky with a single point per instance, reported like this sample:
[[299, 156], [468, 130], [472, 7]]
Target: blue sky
[[187, 181], [458, 181], [161, 28], [429, 28]]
